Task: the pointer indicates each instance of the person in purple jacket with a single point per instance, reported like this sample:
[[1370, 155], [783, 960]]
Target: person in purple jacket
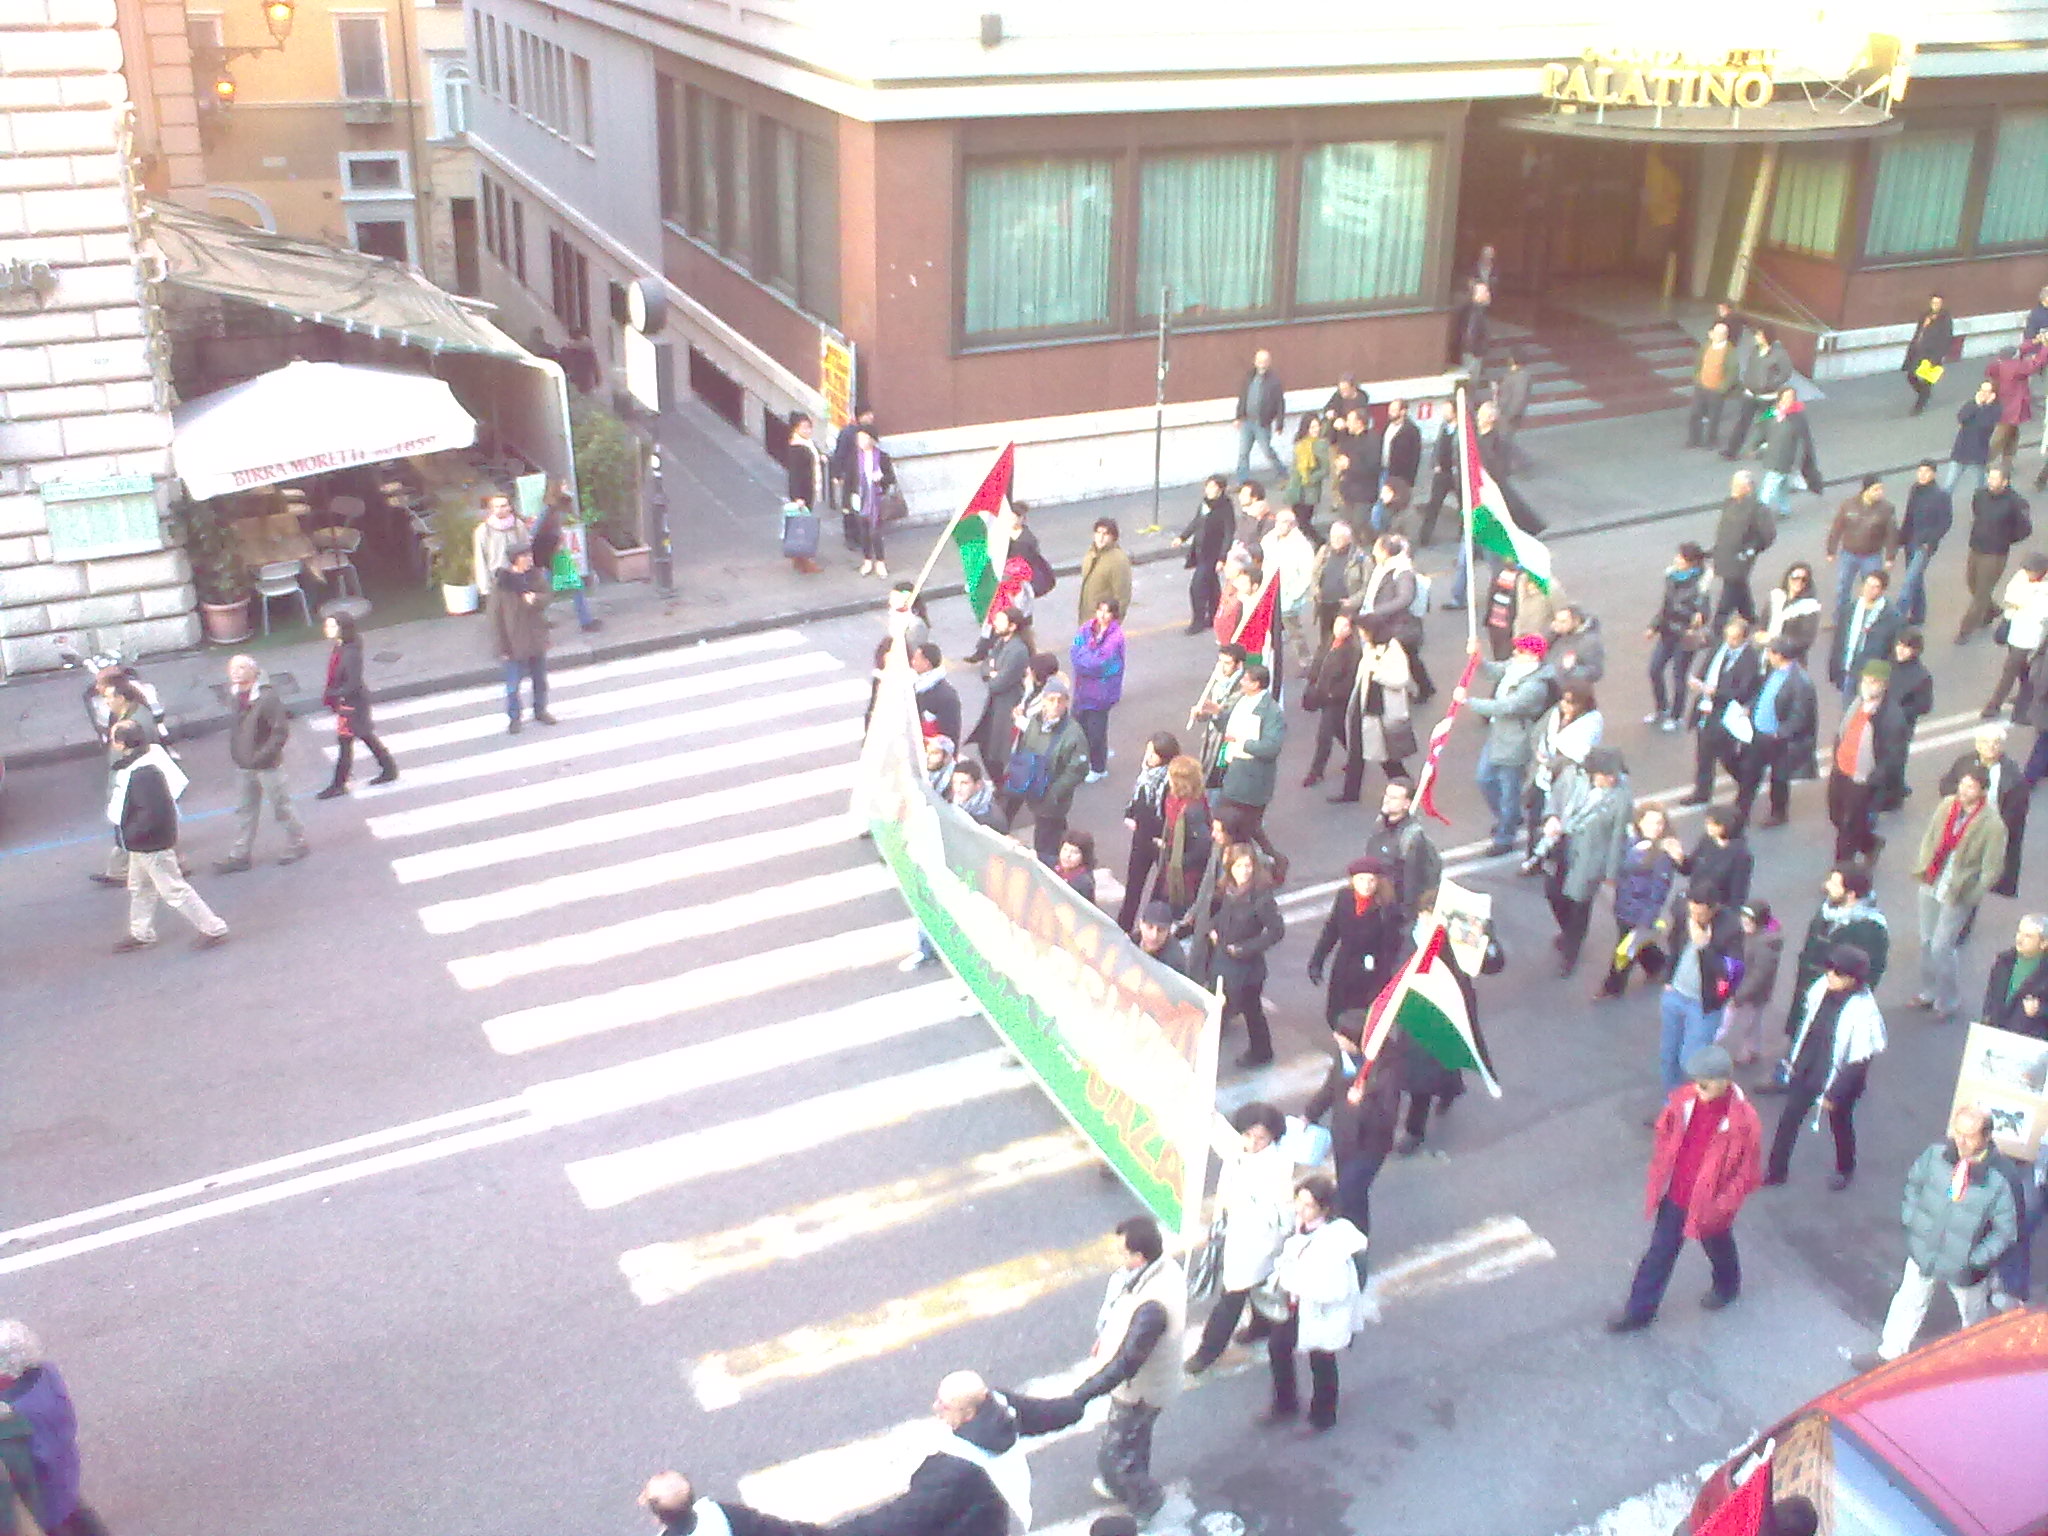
[[32, 1393], [1098, 659]]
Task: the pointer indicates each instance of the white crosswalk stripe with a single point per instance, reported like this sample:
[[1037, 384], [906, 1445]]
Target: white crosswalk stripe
[[669, 883]]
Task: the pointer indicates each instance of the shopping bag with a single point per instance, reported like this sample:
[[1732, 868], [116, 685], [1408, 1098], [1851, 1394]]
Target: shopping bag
[[1205, 1265], [799, 531], [1929, 371]]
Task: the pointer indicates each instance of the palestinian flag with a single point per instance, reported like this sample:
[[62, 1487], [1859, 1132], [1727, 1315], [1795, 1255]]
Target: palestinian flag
[[1746, 1512], [1492, 528], [1430, 999], [1439, 738], [1258, 626], [981, 543]]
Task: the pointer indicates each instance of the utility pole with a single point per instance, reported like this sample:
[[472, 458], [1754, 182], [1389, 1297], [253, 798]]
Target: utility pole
[[1159, 405]]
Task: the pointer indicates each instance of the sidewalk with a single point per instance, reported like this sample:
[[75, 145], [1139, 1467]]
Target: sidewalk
[[725, 494]]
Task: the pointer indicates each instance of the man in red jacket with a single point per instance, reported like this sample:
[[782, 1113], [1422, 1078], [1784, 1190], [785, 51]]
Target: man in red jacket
[[1707, 1159]]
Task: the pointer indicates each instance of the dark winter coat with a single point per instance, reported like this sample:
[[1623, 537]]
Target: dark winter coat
[[741, 1519], [1957, 1241], [1404, 453], [1788, 449], [1364, 1132], [1931, 341], [1002, 676], [149, 816], [1720, 957], [1912, 689], [1738, 679], [1683, 606], [1360, 949], [2005, 1012], [1331, 676], [1998, 520], [1249, 922], [257, 737], [1874, 644], [1889, 737], [1862, 927], [520, 626], [1207, 535], [950, 1495], [1765, 372], [1262, 399], [1798, 719], [1642, 884], [1930, 513], [1065, 747], [1406, 849], [346, 689], [1725, 869], [1746, 529], [1975, 422], [809, 479]]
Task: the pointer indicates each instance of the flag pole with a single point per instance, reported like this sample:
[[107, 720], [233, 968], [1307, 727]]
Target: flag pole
[[1465, 491]]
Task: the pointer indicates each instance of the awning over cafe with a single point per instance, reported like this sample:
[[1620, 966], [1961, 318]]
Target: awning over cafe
[[308, 418], [321, 283]]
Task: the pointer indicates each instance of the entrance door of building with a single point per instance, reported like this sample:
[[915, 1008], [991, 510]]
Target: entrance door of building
[[1561, 211]]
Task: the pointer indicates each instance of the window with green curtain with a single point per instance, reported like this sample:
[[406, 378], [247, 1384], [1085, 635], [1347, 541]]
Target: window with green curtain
[[1205, 229], [1917, 206], [2016, 197], [1364, 221], [1807, 200], [701, 114], [1038, 238]]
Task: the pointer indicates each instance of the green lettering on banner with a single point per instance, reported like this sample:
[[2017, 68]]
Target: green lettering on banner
[[1124, 1047]]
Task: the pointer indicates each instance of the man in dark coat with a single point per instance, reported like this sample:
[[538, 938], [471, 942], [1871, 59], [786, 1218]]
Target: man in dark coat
[[1397, 838], [938, 701], [1331, 678], [1361, 1133], [1929, 514], [1745, 530], [1443, 475], [519, 624], [1400, 446], [1261, 409], [1785, 721], [2016, 997], [672, 1500], [1864, 633], [1869, 754], [973, 1488], [256, 741], [1725, 674], [1998, 521], [1912, 689]]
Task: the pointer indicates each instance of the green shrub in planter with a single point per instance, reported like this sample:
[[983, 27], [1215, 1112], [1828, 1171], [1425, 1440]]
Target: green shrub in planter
[[217, 569], [607, 473], [455, 560]]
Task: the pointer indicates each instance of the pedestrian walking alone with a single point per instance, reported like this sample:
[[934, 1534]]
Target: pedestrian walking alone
[[1841, 1032], [1705, 1161], [519, 624], [349, 697], [1959, 1218], [142, 804], [1138, 1348], [1318, 1282], [1744, 531], [1261, 411], [1927, 353], [1255, 1208], [1930, 513], [256, 739]]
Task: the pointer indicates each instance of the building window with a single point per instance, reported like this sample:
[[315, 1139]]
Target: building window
[[1205, 230], [359, 41], [517, 240], [511, 38], [389, 238], [568, 283], [451, 97], [700, 214], [582, 114], [1364, 222], [1807, 203], [1917, 207], [671, 151], [1038, 244], [2016, 196], [778, 213], [383, 174]]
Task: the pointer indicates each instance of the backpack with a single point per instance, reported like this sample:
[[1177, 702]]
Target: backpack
[[1028, 775]]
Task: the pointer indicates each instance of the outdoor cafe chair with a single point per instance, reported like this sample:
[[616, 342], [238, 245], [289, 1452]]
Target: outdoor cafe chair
[[280, 579]]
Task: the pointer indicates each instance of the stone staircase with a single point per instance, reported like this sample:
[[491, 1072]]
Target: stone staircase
[[1586, 369]]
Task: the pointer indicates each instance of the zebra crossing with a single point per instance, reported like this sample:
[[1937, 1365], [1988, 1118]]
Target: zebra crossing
[[668, 892], [830, 1182]]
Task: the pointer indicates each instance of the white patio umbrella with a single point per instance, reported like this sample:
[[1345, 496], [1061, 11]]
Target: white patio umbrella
[[307, 418]]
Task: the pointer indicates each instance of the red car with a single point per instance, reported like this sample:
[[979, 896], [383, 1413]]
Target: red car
[[1950, 1440]]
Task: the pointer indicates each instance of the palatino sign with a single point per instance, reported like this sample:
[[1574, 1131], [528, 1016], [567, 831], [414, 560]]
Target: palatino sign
[[1598, 82]]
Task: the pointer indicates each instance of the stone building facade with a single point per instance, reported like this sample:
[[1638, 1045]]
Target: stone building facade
[[85, 556]]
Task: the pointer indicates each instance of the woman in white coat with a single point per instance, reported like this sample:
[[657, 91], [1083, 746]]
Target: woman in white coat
[[1316, 1275], [1255, 1203]]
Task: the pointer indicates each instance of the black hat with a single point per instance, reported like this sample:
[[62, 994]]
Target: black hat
[[1158, 914], [1848, 960]]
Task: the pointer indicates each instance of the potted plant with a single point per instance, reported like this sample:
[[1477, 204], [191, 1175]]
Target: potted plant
[[608, 480], [455, 558], [218, 573]]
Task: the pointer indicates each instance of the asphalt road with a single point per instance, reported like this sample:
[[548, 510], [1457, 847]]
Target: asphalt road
[[566, 1117]]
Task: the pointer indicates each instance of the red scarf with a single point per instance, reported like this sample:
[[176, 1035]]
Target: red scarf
[[1952, 831]]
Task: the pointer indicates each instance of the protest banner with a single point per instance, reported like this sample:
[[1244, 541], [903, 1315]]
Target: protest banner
[[2006, 1075]]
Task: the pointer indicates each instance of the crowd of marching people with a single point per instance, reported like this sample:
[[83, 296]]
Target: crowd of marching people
[[1309, 591]]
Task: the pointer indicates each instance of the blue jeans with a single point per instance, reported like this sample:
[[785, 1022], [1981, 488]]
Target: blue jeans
[[1849, 573], [536, 669], [1774, 492], [1687, 1028], [1954, 470], [1095, 726], [1667, 1238], [1502, 787], [1251, 434], [1913, 590], [584, 618]]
